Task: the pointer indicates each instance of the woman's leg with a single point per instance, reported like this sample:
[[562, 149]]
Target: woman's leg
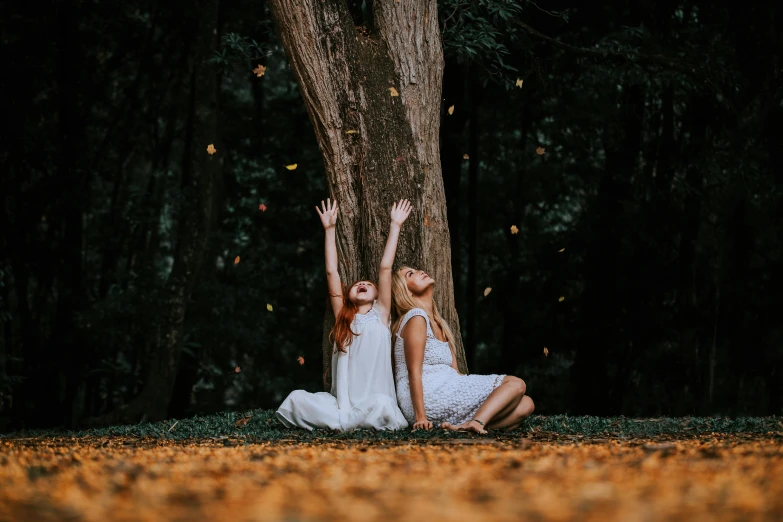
[[502, 402], [511, 421]]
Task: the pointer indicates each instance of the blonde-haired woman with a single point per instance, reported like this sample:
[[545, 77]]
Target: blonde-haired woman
[[429, 387]]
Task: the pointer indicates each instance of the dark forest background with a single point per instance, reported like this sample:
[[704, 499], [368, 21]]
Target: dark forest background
[[661, 124]]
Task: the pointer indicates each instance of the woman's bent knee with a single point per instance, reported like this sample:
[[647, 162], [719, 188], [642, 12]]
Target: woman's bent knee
[[518, 384], [527, 406]]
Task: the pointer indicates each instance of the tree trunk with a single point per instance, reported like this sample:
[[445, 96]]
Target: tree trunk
[[348, 76], [199, 174]]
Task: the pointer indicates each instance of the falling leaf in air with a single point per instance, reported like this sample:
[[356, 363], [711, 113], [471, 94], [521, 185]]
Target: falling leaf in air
[[393, 91], [487, 290], [546, 351], [451, 110], [260, 70], [300, 359], [291, 167], [241, 422], [561, 250], [561, 299], [465, 156], [262, 207], [211, 149], [269, 307], [351, 131], [519, 82], [540, 151], [237, 369], [236, 260], [514, 229]]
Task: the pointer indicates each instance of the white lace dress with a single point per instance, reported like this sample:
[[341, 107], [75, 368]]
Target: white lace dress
[[362, 395], [448, 395]]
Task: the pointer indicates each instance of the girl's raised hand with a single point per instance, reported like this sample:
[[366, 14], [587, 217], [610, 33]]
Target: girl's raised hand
[[328, 213], [400, 211]]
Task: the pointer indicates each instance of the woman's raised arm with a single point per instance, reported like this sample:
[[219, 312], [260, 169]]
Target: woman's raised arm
[[328, 215], [414, 340], [399, 213]]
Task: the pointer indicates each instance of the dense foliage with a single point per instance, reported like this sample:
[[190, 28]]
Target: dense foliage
[[639, 163]]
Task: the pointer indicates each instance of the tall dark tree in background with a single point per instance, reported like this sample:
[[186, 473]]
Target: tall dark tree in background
[[649, 244]]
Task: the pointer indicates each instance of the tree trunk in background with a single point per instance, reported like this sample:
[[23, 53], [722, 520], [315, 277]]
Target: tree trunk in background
[[453, 149], [67, 360], [345, 75], [199, 176], [591, 391], [471, 293]]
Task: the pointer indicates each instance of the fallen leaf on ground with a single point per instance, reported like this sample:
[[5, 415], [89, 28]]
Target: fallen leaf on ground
[[242, 421]]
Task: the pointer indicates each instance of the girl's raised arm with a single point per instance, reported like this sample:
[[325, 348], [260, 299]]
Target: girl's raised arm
[[328, 215], [399, 213]]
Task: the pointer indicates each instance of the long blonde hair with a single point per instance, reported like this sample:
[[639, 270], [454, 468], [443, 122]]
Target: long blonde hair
[[402, 303]]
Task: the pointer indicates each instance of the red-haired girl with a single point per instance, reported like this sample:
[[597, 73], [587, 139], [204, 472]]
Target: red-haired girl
[[362, 393]]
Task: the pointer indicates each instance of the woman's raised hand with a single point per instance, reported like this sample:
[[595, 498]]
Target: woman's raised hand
[[423, 424], [400, 212], [328, 213]]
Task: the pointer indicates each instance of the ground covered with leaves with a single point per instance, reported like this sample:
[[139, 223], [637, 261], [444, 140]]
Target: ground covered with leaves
[[244, 467]]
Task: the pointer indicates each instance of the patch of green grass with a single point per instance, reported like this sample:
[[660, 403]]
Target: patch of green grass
[[263, 426]]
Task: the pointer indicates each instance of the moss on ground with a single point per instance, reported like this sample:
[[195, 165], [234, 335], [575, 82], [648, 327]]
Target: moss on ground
[[262, 426]]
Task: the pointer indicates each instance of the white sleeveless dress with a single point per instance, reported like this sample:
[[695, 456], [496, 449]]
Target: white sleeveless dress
[[362, 395], [448, 396]]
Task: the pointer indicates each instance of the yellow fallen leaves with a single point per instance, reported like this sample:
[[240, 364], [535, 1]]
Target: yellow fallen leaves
[[533, 478]]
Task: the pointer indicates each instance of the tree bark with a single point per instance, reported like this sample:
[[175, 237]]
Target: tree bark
[[346, 76], [199, 174]]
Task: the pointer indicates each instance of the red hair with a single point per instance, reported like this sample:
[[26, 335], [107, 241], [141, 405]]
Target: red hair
[[341, 333]]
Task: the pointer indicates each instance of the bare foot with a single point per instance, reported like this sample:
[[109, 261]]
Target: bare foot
[[471, 425]]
